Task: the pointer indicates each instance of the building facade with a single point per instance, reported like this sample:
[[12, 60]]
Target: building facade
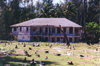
[[47, 30]]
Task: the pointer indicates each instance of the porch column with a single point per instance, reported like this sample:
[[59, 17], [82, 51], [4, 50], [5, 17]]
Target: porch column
[[56, 30], [12, 29], [74, 30], [67, 30], [50, 39], [51, 30], [80, 31], [29, 29], [43, 29], [73, 39]]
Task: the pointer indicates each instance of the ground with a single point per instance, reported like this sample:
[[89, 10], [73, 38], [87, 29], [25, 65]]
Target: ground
[[91, 54]]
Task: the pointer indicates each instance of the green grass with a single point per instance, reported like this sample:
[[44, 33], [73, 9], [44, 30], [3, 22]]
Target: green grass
[[93, 58]]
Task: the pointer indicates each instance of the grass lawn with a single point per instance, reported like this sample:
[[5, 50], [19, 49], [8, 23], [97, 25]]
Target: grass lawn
[[91, 56]]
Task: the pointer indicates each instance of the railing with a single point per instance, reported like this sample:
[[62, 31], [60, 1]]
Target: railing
[[53, 34], [15, 33], [47, 34]]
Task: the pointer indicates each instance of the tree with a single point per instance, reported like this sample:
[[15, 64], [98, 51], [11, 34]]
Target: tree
[[94, 11], [93, 32], [78, 4], [47, 9], [58, 12], [4, 11], [65, 36], [69, 11], [27, 14], [9, 15], [38, 8]]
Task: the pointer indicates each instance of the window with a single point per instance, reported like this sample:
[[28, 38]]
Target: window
[[71, 30], [20, 28], [53, 30], [15, 28], [77, 39], [34, 38], [34, 28], [46, 39], [63, 39], [70, 39], [58, 30], [58, 39], [40, 38], [49, 30], [76, 31], [46, 30], [64, 30], [40, 30], [26, 28], [53, 39]]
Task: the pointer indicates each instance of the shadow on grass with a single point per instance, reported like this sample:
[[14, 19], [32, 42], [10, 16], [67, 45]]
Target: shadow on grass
[[18, 62]]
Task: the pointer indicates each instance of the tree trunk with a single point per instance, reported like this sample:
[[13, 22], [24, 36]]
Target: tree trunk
[[65, 36]]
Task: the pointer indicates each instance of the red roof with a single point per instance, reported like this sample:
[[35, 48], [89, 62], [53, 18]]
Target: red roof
[[48, 21]]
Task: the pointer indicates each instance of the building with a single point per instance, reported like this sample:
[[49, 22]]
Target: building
[[46, 30]]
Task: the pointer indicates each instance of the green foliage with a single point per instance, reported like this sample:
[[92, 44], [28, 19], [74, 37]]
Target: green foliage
[[69, 11], [58, 12], [93, 27], [47, 10], [94, 11], [93, 31], [9, 15]]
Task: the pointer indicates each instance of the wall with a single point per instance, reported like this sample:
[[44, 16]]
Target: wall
[[22, 35]]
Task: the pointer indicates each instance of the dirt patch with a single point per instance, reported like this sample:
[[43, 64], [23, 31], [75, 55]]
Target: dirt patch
[[60, 50], [91, 50], [87, 62], [20, 52], [90, 57]]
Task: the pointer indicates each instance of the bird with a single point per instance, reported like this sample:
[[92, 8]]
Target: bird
[[70, 63], [81, 55], [46, 57]]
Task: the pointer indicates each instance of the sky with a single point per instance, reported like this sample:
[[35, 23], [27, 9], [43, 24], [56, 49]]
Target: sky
[[58, 1], [54, 1]]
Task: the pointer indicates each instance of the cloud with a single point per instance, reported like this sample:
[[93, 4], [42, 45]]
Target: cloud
[[57, 1]]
